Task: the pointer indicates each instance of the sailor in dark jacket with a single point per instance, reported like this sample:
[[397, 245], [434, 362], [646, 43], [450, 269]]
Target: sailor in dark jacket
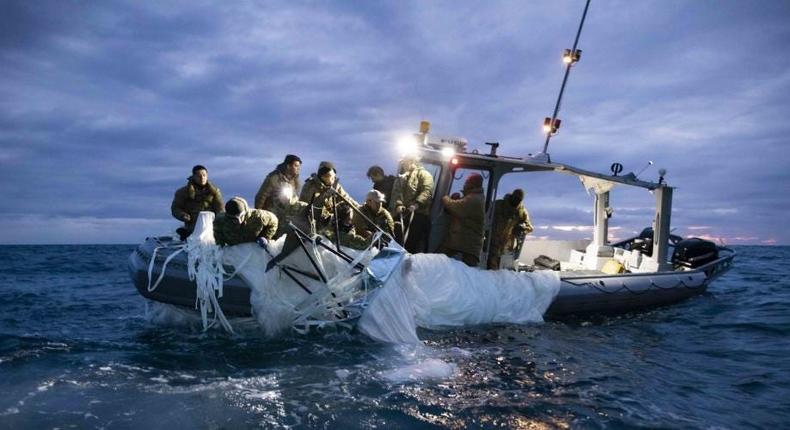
[[467, 219], [197, 195], [381, 182]]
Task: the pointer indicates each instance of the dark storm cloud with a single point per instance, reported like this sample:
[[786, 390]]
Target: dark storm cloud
[[104, 107]]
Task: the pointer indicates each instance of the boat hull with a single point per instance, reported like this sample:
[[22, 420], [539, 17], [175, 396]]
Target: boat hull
[[578, 295], [176, 288]]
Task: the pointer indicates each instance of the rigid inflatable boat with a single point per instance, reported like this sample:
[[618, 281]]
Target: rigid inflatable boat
[[594, 276]]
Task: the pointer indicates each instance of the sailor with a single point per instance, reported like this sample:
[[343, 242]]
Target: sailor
[[240, 224], [411, 204], [467, 218], [511, 221], [288, 208], [323, 190], [381, 182], [197, 195], [285, 175], [374, 210], [345, 226]]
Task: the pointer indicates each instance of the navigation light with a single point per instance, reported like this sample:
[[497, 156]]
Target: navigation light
[[548, 128], [571, 57]]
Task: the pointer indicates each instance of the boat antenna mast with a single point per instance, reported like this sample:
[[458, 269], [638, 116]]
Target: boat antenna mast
[[551, 125]]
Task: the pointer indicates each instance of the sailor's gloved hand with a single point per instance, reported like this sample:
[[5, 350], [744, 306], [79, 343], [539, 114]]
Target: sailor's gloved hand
[[186, 218], [412, 208], [262, 242]]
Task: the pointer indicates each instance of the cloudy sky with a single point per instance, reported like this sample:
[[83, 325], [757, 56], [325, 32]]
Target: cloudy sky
[[105, 106]]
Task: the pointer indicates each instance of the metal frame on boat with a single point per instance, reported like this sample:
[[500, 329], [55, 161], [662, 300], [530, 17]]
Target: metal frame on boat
[[653, 281]]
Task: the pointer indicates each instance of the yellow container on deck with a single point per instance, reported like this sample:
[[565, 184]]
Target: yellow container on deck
[[612, 267]]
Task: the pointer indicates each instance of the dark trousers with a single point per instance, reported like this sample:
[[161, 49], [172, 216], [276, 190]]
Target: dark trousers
[[419, 232]]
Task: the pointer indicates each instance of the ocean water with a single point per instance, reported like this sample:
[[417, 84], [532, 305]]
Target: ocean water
[[77, 350]]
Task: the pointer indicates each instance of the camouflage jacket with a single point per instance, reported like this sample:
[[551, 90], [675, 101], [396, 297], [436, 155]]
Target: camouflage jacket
[[288, 212], [507, 219], [413, 187], [253, 223], [348, 238], [322, 204], [467, 219], [272, 185], [382, 219], [191, 200]]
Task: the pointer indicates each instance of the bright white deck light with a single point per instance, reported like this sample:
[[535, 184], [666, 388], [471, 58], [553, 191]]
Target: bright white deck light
[[407, 145], [448, 153]]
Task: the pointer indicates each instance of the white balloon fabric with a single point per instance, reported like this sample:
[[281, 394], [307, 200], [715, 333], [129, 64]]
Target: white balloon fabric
[[434, 291]]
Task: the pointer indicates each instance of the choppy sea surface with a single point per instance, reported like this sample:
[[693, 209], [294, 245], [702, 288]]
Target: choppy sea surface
[[78, 351]]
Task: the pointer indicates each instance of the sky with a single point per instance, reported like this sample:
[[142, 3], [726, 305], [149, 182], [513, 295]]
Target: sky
[[106, 106]]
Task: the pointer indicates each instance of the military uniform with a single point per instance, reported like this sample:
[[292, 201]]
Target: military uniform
[[507, 219], [382, 219], [414, 187], [467, 220], [191, 199], [322, 205], [251, 224], [288, 212], [348, 237], [385, 186], [273, 185]]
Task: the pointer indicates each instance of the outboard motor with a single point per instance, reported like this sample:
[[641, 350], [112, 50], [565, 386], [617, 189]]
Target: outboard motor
[[694, 252], [644, 243]]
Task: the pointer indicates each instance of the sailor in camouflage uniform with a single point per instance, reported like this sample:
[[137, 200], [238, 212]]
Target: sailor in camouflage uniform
[[412, 194], [289, 209], [316, 191], [467, 219], [284, 177], [240, 224], [197, 195], [510, 220], [374, 210], [345, 225]]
